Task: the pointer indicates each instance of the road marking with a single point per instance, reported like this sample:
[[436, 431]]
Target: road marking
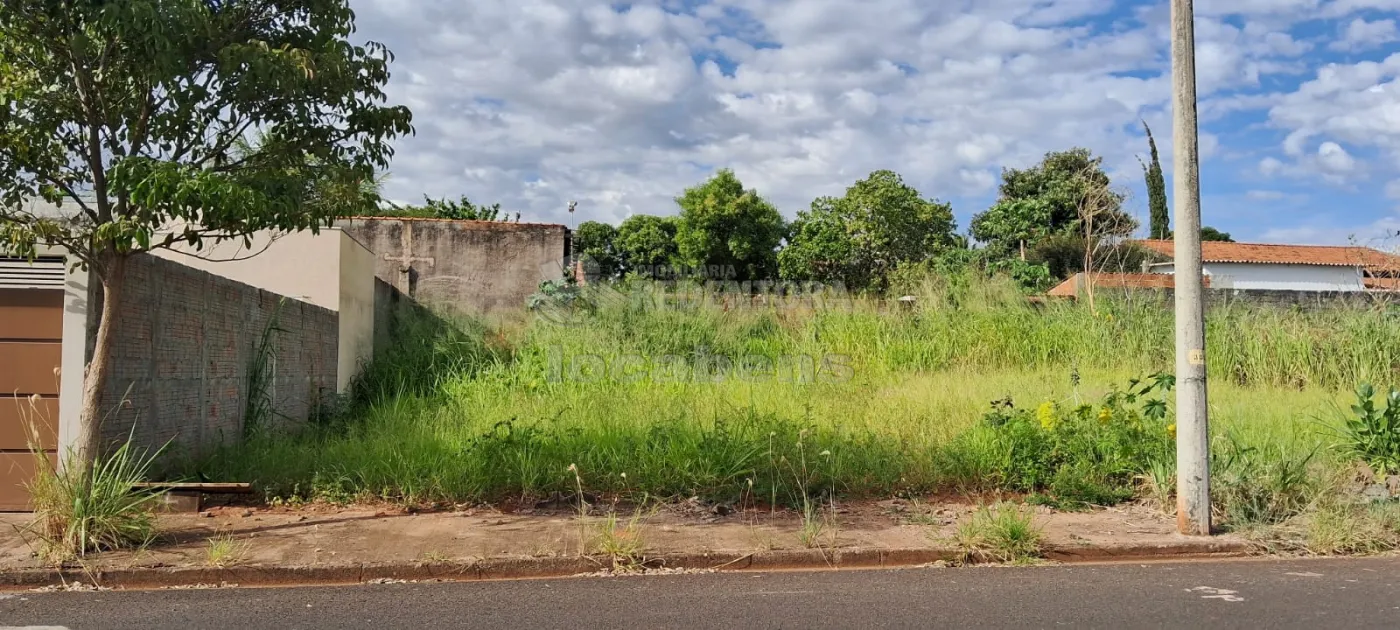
[[1210, 592], [1305, 574]]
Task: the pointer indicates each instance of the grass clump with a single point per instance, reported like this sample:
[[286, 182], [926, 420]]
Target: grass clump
[[621, 541], [76, 513], [1003, 532], [224, 550], [1353, 529], [1261, 485]]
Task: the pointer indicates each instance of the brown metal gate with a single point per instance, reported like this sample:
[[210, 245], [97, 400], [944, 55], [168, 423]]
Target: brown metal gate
[[31, 336]]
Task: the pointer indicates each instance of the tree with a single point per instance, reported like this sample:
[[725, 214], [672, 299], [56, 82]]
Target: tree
[[723, 224], [594, 244], [137, 115], [644, 243], [461, 209], [1161, 221], [1209, 233], [1048, 198], [859, 239]]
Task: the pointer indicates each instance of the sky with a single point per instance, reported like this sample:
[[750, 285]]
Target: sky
[[621, 106]]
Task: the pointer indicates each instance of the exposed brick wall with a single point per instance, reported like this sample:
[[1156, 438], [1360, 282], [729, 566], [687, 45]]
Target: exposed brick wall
[[185, 340]]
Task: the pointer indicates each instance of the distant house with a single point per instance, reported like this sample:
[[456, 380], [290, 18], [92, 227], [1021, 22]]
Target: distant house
[[1251, 266]]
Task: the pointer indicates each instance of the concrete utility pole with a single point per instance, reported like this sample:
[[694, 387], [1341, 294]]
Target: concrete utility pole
[[1192, 425]]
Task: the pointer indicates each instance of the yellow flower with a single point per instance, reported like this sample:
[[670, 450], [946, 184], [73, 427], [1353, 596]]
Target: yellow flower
[[1047, 416], [1171, 430], [1105, 415]]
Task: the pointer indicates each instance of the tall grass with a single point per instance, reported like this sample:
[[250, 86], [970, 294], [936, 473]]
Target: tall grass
[[76, 512], [465, 413]]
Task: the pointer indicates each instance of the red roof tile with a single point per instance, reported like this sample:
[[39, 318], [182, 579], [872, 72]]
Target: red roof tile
[[1336, 256]]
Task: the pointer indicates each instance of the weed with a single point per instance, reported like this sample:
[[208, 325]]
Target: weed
[[1264, 484], [1003, 532], [433, 556], [259, 404], [1077, 454], [813, 524], [459, 412], [1159, 483], [76, 513], [621, 542], [1372, 434], [1340, 528], [224, 550]]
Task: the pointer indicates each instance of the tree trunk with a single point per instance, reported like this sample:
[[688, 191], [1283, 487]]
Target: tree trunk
[[110, 273]]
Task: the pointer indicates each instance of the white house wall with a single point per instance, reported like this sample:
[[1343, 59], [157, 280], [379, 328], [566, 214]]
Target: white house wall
[[1277, 277]]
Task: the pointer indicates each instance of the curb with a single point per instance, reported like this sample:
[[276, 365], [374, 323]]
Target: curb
[[537, 568]]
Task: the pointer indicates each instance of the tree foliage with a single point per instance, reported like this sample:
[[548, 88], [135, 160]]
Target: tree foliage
[[594, 244], [1209, 233], [1065, 255], [1160, 227], [1052, 197], [460, 209], [646, 243], [723, 224], [859, 239], [137, 116]]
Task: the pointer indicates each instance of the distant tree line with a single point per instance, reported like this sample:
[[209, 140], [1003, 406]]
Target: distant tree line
[[1051, 220]]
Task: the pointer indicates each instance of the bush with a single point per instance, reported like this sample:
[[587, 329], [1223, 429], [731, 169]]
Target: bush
[[1081, 455], [1371, 434]]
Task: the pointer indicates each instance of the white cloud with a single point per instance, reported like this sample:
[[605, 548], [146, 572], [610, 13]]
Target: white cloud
[[1382, 234], [1334, 159], [1392, 189], [1361, 35], [536, 102]]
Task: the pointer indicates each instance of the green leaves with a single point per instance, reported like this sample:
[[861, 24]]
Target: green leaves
[[1372, 434], [1057, 195], [723, 224], [859, 239], [645, 243], [1156, 191], [212, 119]]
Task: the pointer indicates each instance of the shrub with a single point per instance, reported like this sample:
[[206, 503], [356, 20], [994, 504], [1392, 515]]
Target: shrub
[[1372, 434], [1080, 455]]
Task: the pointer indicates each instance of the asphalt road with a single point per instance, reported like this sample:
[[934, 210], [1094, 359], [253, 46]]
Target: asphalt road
[[1241, 594]]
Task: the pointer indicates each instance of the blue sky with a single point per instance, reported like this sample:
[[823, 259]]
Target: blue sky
[[620, 106]]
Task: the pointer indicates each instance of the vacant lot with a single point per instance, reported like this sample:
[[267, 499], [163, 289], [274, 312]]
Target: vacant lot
[[636, 396]]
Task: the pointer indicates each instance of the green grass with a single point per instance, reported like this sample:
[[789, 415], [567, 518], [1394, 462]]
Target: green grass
[[1004, 532], [463, 413]]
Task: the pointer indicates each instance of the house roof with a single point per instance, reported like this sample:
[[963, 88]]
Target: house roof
[[1383, 284], [1072, 286], [1259, 253]]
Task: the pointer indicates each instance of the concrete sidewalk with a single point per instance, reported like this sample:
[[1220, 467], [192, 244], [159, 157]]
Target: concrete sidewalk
[[324, 544]]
